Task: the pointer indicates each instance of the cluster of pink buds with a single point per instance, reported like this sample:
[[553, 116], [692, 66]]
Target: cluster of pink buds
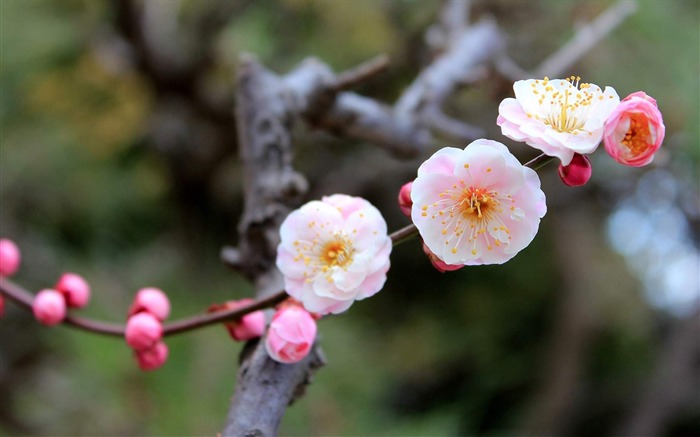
[[292, 333], [50, 304], [250, 326], [144, 328], [9, 263]]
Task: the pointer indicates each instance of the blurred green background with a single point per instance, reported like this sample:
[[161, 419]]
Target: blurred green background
[[119, 162]]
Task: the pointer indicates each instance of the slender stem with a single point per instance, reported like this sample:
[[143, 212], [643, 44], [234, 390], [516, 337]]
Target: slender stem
[[539, 161], [404, 234], [25, 298]]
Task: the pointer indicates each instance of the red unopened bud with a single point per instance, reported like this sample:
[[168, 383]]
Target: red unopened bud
[[151, 300], [153, 358], [439, 264], [252, 325], [578, 172], [75, 289], [405, 202], [143, 331], [49, 307], [9, 257]]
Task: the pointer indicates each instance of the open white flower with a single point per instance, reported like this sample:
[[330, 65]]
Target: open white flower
[[478, 205], [560, 117], [333, 252]]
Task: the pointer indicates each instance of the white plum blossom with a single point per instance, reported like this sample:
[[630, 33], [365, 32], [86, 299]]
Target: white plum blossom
[[478, 205], [333, 252], [560, 117]]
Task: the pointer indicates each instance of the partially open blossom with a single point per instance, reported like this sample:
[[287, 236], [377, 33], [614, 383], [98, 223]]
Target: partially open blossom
[[578, 172], [153, 358], [75, 289], [252, 325], [405, 201], [49, 307], [9, 257], [143, 331], [153, 301], [333, 252], [439, 264], [478, 205], [560, 117], [635, 130], [292, 333]]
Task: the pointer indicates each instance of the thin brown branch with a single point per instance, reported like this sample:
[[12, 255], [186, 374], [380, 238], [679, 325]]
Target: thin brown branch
[[349, 79], [24, 298], [586, 37]]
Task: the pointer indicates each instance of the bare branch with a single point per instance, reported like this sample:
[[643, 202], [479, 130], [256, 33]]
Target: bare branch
[[272, 187], [585, 39], [362, 72]]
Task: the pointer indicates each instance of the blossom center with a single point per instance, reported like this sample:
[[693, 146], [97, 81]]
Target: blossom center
[[638, 134], [474, 214], [324, 254], [564, 107], [336, 253]]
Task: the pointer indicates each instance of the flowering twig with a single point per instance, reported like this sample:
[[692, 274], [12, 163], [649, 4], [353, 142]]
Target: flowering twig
[[25, 298]]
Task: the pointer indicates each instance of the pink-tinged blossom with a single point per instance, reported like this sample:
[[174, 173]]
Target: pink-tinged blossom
[[333, 252], [143, 331], [75, 289], [153, 301], [49, 307], [440, 265], [578, 172], [291, 335], [478, 205], [635, 130], [153, 358], [560, 117], [9, 257], [252, 325], [405, 201]]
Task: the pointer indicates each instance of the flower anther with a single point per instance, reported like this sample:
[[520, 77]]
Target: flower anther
[[560, 117], [333, 252], [478, 205]]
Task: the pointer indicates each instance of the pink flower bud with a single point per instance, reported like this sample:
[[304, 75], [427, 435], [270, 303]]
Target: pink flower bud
[[252, 325], [578, 172], [143, 331], [440, 265], [292, 333], [153, 301], [75, 289], [634, 131], [153, 358], [405, 202], [49, 307], [9, 257]]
